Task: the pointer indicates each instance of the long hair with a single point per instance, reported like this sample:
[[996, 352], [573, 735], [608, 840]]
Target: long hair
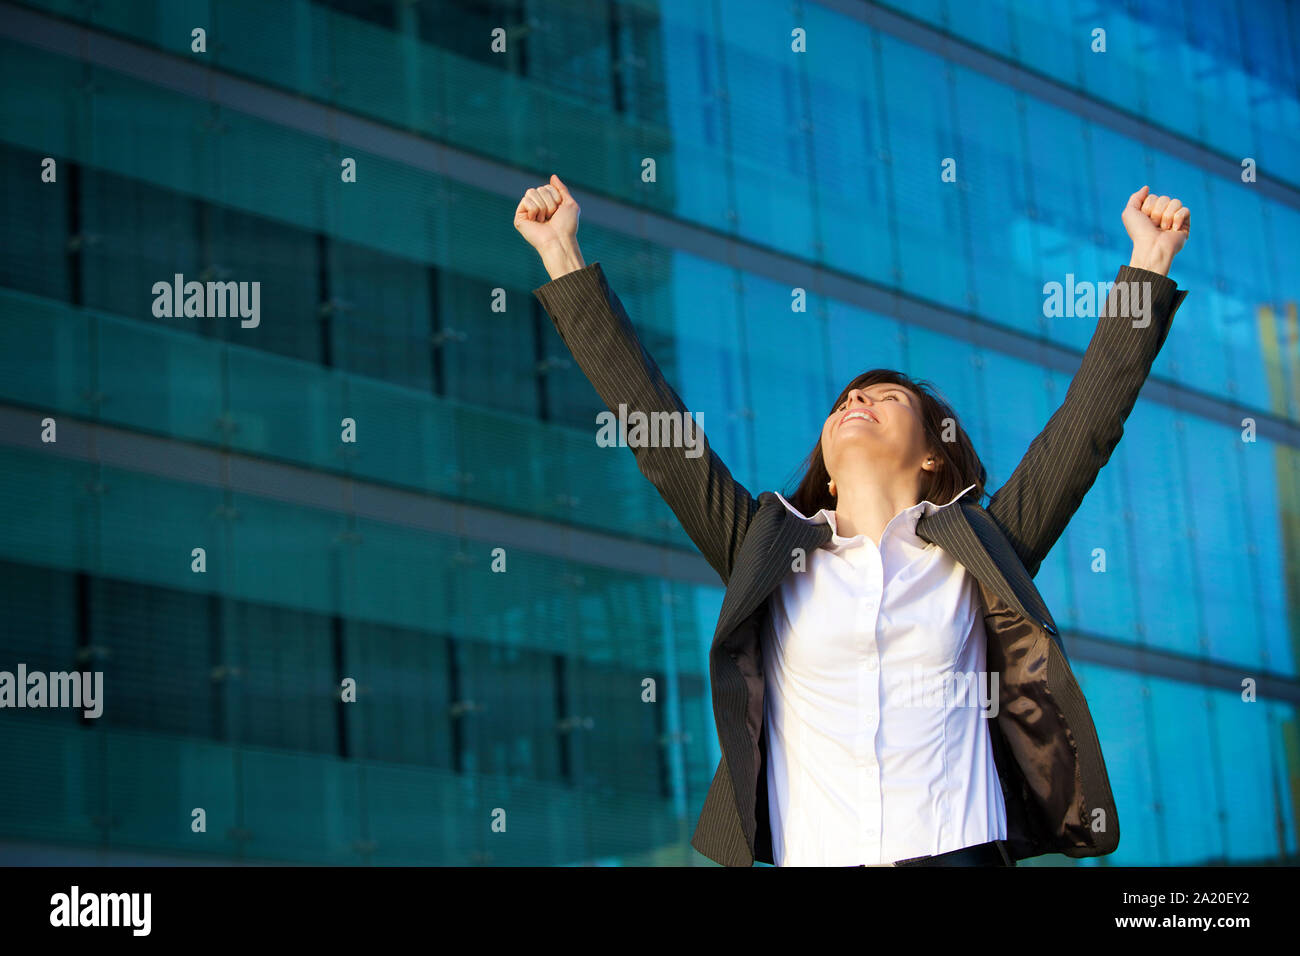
[[959, 464]]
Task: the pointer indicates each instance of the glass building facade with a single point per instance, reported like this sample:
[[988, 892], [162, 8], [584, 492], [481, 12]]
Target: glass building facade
[[208, 530]]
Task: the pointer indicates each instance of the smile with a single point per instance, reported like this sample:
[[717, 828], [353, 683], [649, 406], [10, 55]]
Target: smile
[[863, 413]]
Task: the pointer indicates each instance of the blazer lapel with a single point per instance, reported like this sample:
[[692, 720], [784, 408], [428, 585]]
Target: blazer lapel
[[767, 554], [965, 530], [971, 536]]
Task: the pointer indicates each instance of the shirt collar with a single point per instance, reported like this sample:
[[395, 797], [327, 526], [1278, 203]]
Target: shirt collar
[[914, 514]]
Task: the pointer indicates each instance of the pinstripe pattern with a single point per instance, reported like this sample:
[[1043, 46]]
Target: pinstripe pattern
[[1048, 757], [1061, 464]]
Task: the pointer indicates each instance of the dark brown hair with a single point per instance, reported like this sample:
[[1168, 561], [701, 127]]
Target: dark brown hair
[[959, 465]]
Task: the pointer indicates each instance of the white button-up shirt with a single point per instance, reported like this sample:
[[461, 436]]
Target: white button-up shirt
[[878, 747]]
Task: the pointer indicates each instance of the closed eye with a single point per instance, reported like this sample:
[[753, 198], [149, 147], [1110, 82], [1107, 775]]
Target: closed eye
[[893, 395]]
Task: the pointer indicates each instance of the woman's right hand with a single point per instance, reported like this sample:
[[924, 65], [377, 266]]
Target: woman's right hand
[[547, 216]]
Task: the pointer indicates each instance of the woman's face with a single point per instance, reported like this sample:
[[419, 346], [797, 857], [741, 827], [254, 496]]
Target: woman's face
[[882, 420]]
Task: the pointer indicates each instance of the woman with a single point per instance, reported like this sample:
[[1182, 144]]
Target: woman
[[881, 578]]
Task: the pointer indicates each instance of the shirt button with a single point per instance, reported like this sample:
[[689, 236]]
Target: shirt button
[[871, 664]]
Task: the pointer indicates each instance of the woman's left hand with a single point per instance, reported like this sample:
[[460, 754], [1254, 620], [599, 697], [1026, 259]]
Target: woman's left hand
[[1158, 227]]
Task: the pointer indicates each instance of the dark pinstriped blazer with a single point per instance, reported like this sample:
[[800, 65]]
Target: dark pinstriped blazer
[[1045, 747]]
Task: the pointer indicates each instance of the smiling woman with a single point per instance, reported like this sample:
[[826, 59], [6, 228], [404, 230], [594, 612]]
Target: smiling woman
[[916, 426], [885, 574]]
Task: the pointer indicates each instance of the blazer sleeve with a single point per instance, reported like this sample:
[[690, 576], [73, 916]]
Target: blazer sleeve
[[1061, 464], [713, 508]]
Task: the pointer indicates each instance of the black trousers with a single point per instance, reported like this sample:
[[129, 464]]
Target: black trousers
[[982, 854]]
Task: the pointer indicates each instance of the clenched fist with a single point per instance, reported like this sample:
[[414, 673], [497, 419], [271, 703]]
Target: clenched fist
[[1158, 227], [547, 215]]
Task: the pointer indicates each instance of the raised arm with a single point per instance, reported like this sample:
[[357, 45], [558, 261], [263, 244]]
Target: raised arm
[[712, 507], [1062, 463]]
